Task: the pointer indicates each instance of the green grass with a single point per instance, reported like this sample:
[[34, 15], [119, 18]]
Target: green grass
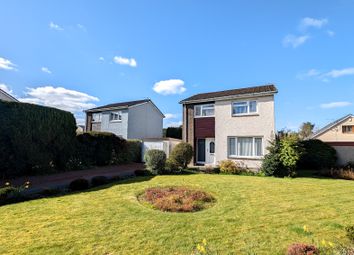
[[262, 215]]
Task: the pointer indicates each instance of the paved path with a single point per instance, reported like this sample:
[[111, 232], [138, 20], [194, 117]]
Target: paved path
[[63, 179]]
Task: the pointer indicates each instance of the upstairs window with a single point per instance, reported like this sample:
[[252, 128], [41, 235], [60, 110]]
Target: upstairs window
[[349, 129], [204, 110], [244, 108], [115, 116], [96, 117]]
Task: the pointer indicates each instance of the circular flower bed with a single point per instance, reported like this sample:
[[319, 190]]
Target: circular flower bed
[[176, 199]]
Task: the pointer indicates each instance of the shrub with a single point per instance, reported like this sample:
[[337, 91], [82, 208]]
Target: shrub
[[10, 194], [172, 166], [211, 170], [134, 151], [283, 157], [140, 172], [228, 167], [350, 232], [317, 155], [182, 154], [34, 139], [290, 152], [155, 161], [340, 173], [79, 184], [302, 249], [100, 148], [99, 180], [232, 167]]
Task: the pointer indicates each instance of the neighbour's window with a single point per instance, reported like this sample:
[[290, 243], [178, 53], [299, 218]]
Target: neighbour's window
[[348, 129], [96, 117], [244, 108], [204, 110], [212, 147], [245, 146], [115, 116]]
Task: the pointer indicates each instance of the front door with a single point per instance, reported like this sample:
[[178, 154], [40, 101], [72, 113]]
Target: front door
[[201, 151], [210, 151]]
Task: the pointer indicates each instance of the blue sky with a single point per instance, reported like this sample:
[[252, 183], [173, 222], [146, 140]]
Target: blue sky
[[76, 54]]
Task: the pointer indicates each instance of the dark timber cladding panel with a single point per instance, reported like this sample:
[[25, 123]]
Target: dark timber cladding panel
[[204, 127]]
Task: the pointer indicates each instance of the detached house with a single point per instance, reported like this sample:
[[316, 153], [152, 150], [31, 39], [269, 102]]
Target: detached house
[[130, 120], [340, 135], [233, 124]]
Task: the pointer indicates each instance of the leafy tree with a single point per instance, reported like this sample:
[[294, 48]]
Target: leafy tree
[[306, 130], [174, 132], [290, 153]]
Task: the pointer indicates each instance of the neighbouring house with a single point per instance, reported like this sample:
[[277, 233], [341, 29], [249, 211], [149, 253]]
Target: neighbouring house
[[234, 124], [130, 120], [6, 96], [340, 135]]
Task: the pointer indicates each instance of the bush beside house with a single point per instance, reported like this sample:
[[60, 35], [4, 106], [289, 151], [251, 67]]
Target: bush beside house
[[155, 161]]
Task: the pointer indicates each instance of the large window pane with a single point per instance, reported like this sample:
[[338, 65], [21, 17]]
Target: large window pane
[[245, 146], [253, 106], [232, 146], [197, 110], [240, 108], [258, 146]]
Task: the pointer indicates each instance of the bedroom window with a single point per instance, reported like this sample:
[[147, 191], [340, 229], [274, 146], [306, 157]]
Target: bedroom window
[[204, 110], [245, 147], [115, 116], [96, 117], [244, 108]]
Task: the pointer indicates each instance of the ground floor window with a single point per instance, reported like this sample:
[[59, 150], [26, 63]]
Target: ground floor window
[[245, 146]]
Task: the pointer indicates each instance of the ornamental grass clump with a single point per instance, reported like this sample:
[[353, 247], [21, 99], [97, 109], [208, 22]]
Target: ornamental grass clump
[[177, 199]]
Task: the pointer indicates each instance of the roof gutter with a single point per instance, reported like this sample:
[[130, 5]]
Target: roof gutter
[[228, 97]]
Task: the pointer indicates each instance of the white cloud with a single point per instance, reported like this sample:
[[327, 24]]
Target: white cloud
[[335, 105], [101, 58], [6, 64], [170, 116], [174, 124], [342, 72], [294, 41], [46, 70], [61, 98], [55, 26], [331, 33], [5, 88], [169, 87], [125, 61], [311, 22]]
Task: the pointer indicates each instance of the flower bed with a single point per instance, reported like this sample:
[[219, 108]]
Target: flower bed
[[176, 199]]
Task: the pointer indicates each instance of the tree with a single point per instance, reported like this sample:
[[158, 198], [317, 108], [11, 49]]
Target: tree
[[306, 130]]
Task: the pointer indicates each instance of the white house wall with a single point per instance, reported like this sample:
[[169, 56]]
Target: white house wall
[[260, 125], [120, 128], [145, 121]]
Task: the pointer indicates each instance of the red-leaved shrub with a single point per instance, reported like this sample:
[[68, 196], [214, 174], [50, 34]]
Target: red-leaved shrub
[[302, 249], [177, 199]]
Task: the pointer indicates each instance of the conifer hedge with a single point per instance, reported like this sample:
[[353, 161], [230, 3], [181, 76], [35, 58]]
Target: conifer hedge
[[34, 139]]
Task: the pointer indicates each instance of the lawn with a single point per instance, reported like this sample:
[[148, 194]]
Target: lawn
[[257, 214]]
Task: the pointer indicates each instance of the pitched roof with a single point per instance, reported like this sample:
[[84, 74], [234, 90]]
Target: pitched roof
[[120, 105], [265, 89], [12, 98], [331, 125]]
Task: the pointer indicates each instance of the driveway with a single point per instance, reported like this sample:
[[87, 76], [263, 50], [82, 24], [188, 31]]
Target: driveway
[[42, 182]]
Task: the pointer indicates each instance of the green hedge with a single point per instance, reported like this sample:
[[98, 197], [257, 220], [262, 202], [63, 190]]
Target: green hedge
[[34, 139], [101, 148]]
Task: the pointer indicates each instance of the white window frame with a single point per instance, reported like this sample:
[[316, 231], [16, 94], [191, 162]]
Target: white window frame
[[204, 107], [100, 117], [119, 117], [253, 147], [248, 104]]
